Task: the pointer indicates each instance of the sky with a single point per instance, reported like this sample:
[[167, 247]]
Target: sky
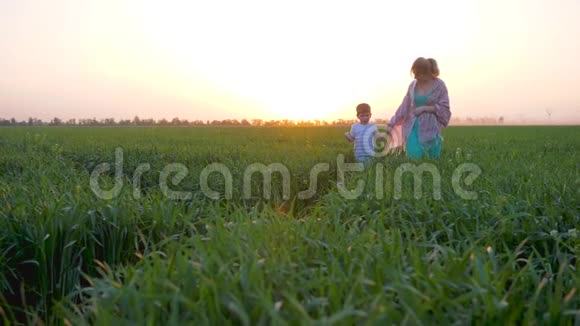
[[295, 59]]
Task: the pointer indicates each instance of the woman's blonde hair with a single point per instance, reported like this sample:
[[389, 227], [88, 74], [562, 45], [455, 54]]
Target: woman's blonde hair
[[423, 66]]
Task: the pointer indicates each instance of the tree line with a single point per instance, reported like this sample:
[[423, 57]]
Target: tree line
[[137, 121]]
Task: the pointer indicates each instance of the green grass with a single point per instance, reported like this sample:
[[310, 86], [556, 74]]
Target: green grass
[[68, 257]]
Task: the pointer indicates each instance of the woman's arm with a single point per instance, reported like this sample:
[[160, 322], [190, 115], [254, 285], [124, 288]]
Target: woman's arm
[[401, 112], [440, 108], [425, 109]]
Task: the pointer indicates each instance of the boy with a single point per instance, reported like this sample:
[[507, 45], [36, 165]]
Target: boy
[[363, 134]]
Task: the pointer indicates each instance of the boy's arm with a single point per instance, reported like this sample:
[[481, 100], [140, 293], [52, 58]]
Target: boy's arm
[[381, 126], [349, 135], [379, 134]]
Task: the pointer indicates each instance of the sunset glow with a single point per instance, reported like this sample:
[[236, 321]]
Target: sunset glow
[[297, 60]]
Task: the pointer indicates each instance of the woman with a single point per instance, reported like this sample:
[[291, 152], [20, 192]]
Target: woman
[[424, 112]]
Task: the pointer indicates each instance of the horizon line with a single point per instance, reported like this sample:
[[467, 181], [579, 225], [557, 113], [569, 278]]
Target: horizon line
[[176, 122]]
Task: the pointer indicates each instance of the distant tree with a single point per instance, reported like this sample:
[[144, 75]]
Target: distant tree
[[149, 122], [272, 123], [286, 123], [339, 122], [500, 120]]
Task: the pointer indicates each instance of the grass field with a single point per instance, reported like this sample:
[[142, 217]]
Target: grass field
[[70, 257]]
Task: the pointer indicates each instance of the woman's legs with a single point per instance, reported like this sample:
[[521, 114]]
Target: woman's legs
[[414, 148], [433, 148]]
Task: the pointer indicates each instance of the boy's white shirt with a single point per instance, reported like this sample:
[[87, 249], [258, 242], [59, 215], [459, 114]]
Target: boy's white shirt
[[358, 130], [367, 125]]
